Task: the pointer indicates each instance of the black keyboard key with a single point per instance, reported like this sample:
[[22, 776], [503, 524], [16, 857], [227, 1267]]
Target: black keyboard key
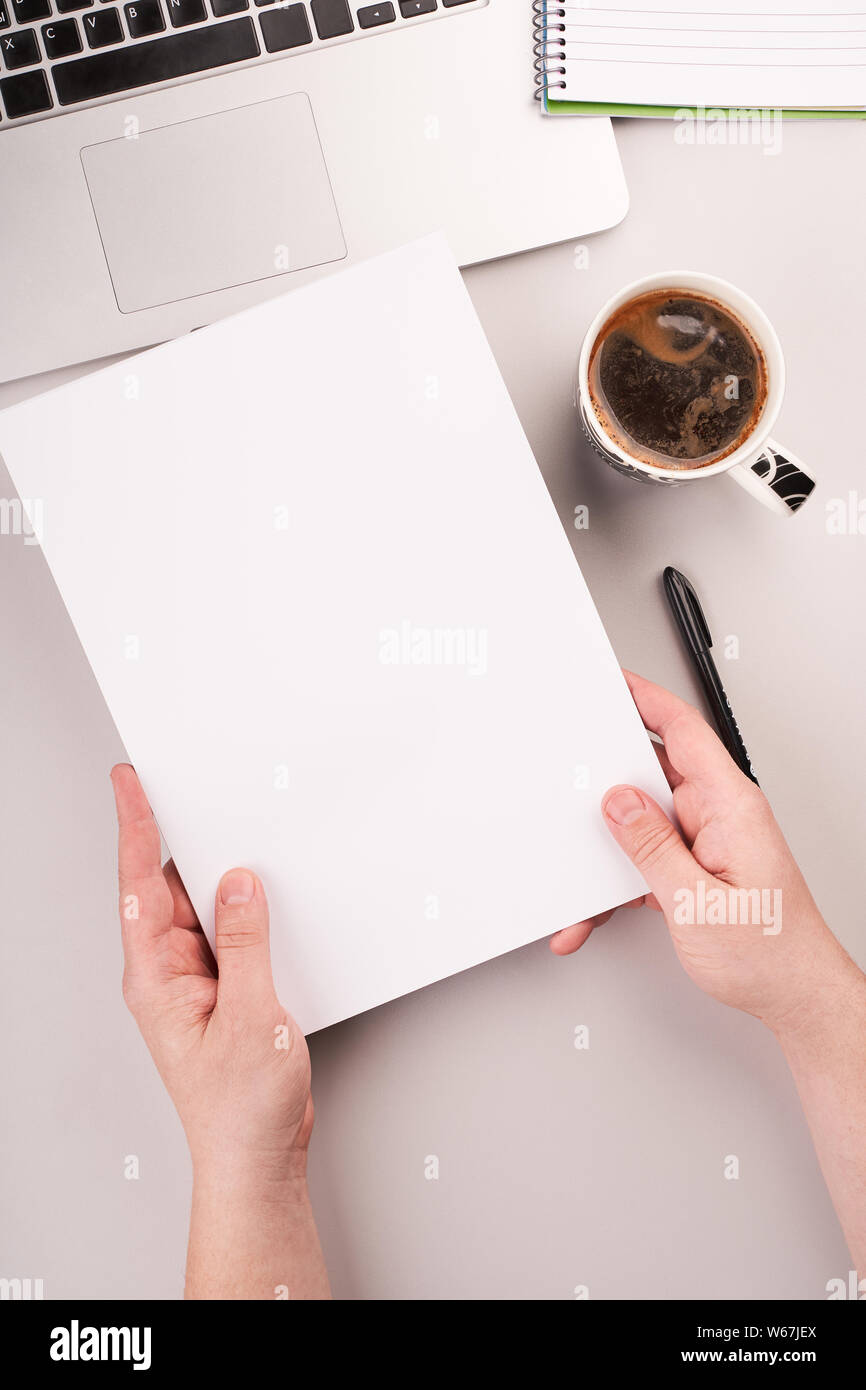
[[158, 60], [25, 11], [5, 21], [144, 17], [20, 49], [449, 3], [25, 94], [409, 8], [183, 12], [373, 15], [61, 38], [332, 17], [64, 6], [102, 28], [223, 7], [285, 28]]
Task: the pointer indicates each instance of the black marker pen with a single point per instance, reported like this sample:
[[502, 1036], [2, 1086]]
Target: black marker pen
[[690, 620]]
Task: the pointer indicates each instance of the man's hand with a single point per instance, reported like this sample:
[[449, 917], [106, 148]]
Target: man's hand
[[775, 967], [233, 1061], [787, 968]]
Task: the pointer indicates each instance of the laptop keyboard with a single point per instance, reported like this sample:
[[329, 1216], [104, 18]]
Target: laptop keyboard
[[56, 54]]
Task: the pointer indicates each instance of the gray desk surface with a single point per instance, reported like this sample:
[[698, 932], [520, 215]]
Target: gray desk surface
[[557, 1167]]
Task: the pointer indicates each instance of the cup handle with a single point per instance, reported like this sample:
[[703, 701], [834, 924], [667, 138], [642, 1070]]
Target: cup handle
[[775, 477]]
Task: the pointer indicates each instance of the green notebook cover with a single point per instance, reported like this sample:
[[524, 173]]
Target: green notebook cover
[[619, 108]]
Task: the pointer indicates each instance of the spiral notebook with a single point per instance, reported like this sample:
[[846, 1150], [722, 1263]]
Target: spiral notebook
[[707, 56]]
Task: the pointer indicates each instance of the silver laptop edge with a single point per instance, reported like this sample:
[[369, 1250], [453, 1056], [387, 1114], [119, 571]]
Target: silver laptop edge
[[138, 216]]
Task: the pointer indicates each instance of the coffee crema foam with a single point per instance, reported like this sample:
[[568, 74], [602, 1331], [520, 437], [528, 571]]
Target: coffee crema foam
[[676, 379]]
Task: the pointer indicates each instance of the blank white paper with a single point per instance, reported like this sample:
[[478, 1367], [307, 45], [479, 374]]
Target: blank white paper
[[339, 626]]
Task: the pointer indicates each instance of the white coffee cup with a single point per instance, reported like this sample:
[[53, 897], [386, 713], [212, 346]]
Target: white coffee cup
[[766, 469]]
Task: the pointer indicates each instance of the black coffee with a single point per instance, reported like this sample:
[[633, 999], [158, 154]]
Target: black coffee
[[676, 379]]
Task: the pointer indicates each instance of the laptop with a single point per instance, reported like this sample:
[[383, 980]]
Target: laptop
[[164, 163]]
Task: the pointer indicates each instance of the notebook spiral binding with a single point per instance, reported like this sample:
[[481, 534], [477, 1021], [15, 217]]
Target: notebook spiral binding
[[548, 44]]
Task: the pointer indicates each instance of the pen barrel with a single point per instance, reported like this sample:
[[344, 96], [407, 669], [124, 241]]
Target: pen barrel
[[728, 728]]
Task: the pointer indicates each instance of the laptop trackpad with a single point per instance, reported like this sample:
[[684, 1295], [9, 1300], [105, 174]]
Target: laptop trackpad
[[218, 201]]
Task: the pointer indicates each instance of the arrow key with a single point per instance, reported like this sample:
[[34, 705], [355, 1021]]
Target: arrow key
[[373, 15], [409, 8]]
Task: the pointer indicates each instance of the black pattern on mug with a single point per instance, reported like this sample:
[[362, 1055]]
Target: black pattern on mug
[[788, 481]]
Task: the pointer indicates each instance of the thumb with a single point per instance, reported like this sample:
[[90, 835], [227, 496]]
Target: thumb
[[652, 843], [241, 937]]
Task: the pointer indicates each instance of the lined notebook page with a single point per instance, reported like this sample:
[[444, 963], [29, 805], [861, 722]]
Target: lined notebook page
[[777, 53]]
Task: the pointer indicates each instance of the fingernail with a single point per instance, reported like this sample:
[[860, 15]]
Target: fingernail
[[624, 807], [237, 887]]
